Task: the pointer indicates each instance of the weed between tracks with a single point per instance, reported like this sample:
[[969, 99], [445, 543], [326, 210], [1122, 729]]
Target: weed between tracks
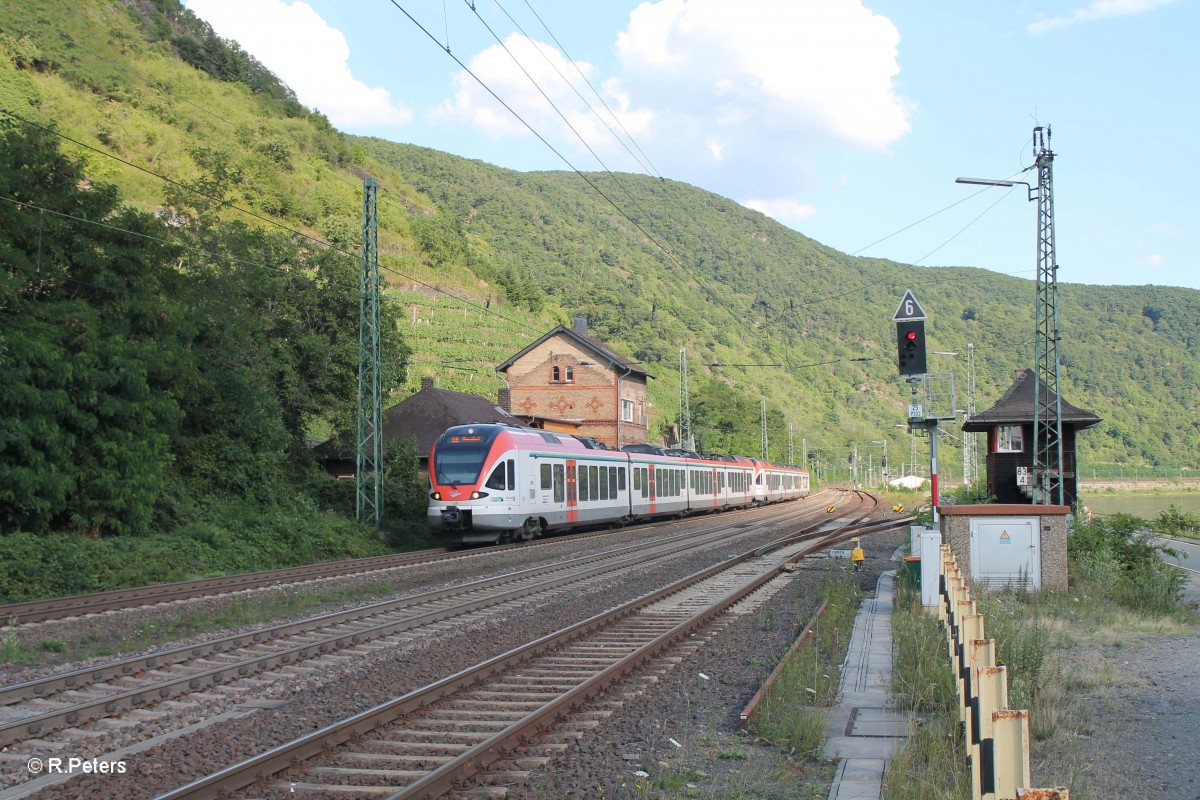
[[793, 713], [226, 615]]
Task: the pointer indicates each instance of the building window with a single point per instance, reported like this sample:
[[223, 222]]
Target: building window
[[627, 411], [1010, 439], [570, 375], [555, 375]]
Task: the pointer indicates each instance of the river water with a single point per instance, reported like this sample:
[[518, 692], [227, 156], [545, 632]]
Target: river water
[[1146, 506]]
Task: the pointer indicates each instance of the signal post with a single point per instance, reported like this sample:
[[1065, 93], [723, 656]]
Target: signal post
[[932, 395]]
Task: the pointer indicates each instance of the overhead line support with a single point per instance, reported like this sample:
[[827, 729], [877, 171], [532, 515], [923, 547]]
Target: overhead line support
[[369, 459]]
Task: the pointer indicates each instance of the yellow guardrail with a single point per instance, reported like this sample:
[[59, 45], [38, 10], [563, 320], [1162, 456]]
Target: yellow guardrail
[[996, 737]]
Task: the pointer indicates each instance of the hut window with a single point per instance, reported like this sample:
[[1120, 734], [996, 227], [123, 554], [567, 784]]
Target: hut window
[[1010, 439]]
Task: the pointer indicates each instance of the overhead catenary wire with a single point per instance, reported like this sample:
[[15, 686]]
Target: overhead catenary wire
[[714, 297], [645, 165], [599, 96], [224, 203], [151, 83]]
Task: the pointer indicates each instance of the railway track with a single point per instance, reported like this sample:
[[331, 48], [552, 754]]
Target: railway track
[[34, 611], [493, 721], [38, 708]]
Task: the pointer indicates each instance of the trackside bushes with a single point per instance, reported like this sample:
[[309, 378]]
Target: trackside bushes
[[237, 537]]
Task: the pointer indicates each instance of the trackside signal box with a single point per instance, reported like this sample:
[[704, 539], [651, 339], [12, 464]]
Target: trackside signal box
[[910, 347]]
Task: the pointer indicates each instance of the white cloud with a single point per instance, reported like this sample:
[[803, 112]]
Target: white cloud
[[1152, 261], [732, 96], [1162, 228], [1097, 9], [785, 211], [549, 114], [821, 68], [296, 44]]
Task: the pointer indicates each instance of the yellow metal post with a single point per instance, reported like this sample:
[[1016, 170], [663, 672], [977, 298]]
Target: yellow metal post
[[993, 696], [1010, 730]]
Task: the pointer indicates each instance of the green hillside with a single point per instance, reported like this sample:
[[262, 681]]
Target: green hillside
[[738, 288], [479, 260]]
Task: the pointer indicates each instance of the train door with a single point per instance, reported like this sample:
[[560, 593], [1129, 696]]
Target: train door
[[572, 496], [653, 490]]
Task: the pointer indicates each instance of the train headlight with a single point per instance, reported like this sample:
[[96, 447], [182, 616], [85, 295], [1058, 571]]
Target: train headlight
[[435, 495], [478, 495]]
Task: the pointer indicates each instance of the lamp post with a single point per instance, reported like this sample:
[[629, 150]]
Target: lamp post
[[1047, 405]]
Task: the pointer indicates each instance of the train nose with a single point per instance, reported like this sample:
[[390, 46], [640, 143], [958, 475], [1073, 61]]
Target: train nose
[[452, 518]]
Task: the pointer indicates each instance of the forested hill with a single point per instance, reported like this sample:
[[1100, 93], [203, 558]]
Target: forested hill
[[239, 327], [680, 267]]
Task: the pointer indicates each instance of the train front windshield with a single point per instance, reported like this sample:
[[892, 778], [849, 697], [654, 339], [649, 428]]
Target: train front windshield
[[460, 454]]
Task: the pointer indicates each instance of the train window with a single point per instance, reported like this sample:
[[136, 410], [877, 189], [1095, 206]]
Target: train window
[[612, 482], [496, 479], [546, 479], [621, 479], [512, 475], [645, 482], [583, 484], [594, 479], [637, 479], [604, 493], [559, 483]]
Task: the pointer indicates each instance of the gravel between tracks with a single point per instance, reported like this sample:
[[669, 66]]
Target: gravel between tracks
[[343, 686], [1142, 743]]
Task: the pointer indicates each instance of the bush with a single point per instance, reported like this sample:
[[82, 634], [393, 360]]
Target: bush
[[1176, 521], [1113, 559], [235, 536]]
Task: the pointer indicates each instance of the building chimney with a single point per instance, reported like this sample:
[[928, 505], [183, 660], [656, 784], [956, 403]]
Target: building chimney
[[580, 326], [504, 400], [426, 383]]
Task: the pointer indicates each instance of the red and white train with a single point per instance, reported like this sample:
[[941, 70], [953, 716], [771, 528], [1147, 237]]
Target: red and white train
[[494, 482]]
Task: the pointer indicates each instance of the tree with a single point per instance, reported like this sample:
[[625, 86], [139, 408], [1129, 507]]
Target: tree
[[88, 351]]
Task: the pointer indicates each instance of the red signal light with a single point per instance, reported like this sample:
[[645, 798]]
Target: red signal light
[[911, 336]]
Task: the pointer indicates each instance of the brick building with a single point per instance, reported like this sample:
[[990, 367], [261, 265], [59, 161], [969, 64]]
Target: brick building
[[569, 382]]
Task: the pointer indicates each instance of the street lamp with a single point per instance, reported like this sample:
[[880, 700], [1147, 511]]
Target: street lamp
[[1047, 403], [989, 182]]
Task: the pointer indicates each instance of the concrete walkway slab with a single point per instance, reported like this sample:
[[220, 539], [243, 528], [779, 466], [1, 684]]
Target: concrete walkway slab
[[862, 730]]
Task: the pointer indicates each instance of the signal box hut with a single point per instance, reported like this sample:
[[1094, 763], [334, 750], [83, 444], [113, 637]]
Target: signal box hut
[[1009, 429], [569, 382]]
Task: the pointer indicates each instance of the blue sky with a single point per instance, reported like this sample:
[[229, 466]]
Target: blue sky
[[845, 120]]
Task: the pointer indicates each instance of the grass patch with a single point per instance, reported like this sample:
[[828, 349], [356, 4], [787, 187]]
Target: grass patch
[[187, 623], [932, 763], [1120, 592], [792, 715]]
